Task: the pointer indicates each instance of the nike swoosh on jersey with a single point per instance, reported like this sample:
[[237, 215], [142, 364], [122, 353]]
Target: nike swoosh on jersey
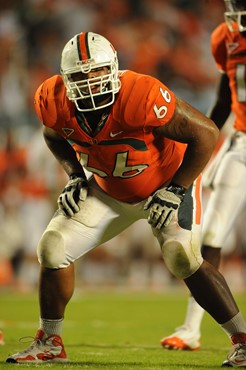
[[115, 134]]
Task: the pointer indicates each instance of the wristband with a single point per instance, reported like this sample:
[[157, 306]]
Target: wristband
[[177, 190], [77, 174]]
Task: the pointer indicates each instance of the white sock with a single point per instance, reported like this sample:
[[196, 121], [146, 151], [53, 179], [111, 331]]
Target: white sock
[[194, 315], [51, 327], [235, 325]]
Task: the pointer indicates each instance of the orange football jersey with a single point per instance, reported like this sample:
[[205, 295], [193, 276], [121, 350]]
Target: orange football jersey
[[229, 51], [128, 162]]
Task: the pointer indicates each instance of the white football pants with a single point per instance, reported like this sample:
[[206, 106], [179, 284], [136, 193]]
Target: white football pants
[[101, 218], [228, 196]]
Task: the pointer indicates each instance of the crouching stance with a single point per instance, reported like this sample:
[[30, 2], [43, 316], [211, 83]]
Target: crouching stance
[[146, 149]]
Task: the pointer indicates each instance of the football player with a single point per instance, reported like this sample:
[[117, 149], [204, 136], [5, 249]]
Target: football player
[[146, 149], [227, 171]]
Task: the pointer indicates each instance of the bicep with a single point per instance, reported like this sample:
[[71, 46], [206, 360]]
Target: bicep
[[55, 142], [51, 135], [186, 125]]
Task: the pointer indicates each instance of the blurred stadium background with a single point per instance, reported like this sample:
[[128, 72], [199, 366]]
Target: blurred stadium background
[[167, 39]]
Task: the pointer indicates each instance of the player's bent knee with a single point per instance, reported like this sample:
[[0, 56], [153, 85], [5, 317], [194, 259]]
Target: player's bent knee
[[51, 252], [180, 263]]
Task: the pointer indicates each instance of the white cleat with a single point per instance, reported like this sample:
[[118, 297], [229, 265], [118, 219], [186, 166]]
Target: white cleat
[[42, 350], [237, 355], [182, 339]]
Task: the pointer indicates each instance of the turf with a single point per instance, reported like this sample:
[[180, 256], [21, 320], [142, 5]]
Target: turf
[[113, 330]]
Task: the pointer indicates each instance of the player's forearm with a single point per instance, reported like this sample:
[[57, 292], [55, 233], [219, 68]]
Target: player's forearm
[[190, 126], [219, 113], [221, 109], [65, 155], [195, 159]]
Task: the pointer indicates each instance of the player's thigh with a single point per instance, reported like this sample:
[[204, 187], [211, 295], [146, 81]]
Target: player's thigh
[[226, 201], [66, 239]]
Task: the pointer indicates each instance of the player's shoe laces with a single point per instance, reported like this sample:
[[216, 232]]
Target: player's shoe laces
[[43, 349], [1, 338], [182, 339], [237, 355]]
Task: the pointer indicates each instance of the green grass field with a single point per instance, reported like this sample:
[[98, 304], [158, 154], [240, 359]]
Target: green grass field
[[112, 330]]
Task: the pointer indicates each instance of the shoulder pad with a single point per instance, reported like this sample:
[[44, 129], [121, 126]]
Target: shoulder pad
[[218, 45], [50, 101], [137, 97]]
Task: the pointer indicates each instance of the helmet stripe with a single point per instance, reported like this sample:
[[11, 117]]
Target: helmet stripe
[[78, 47], [83, 46], [87, 45]]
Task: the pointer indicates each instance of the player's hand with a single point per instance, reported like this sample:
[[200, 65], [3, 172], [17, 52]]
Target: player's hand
[[75, 191], [163, 204]]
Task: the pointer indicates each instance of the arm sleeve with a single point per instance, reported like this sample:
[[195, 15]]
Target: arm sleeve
[[37, 102], [218, 47], [144, 101], [160, 105], [46, 101]]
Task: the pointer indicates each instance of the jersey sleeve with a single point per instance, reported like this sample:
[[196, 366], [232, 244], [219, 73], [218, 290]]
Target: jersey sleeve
[[145, 101], [218, 47], [160, 106], [45, 101]]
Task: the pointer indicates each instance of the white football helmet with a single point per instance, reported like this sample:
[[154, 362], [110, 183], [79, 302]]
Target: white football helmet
[[82, 54], [235, 15]]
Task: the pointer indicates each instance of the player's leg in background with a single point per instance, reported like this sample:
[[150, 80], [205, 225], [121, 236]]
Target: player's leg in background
[[225, 204]]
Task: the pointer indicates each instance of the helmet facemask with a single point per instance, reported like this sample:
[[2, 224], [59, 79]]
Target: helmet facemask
[[92, 93], [235, 15]]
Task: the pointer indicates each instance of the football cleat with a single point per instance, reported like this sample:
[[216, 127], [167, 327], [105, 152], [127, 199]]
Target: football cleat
[[1, 338], [237, 355], [43, 349], [182, 339]]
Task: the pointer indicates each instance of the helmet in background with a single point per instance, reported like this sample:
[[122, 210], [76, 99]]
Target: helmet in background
[[235, 15], [84, 53]]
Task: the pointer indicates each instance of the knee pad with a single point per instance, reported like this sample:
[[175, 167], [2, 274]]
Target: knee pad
[[181, 262], [51, 251]]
